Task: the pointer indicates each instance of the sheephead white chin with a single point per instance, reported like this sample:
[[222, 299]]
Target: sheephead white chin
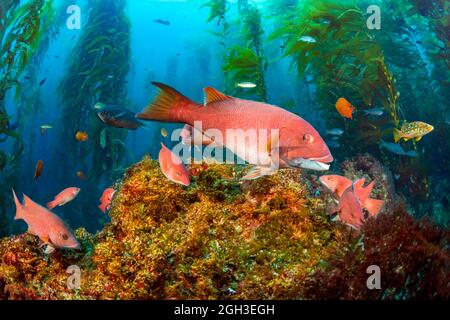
[[310, 164]]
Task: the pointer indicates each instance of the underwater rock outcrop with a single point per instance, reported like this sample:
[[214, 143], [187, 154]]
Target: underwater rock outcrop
[[222, 238]]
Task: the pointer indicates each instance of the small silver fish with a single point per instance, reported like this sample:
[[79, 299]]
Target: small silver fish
[[335, 132], [397, 149], [333, 144], [307, 39], [246, 85], [374, 112]]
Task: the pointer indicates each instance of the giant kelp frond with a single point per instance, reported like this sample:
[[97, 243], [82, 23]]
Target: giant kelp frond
[[218, 8], [329, 40], [22, 26], [97, 73], [244, 59]]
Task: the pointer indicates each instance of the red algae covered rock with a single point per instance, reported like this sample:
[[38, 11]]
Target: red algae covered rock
[[221, 238], [413, 258]]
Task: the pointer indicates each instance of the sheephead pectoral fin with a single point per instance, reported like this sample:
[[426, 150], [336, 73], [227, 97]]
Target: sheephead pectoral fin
[[258, 172], [212, 95]]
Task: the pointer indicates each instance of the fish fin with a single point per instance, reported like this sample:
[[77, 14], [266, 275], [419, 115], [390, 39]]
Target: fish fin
[[364, 193], [19, 207], [258, 172], [102, 208], [373, 206], [272, 148], [193, 137], [212, 95], [418, 138], [397, 135], [27, 202], [359, 184], [51, 204], [165, 104]]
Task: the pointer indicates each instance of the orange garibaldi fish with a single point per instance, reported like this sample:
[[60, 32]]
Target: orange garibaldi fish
[[299, 144], [345, 108], [44, 224]]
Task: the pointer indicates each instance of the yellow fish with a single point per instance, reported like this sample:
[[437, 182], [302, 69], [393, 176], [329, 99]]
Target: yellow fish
[[412, 130], [164, 132]]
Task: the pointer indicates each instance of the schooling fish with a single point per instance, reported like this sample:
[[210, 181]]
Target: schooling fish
[[46, 126], [307, 39], [38, 170], [63, 197], [297, 143], [105, 199], [161, 21], [333, 144], [335, 132], [44, 224], [374, 112], [81, 136], [172, 166], [412, 130], [398, 149], [345, 108], [246, 85], [116, 116]]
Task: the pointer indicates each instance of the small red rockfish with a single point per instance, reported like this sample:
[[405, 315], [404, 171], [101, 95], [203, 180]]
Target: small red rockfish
[[350, 210], [63, 197], [297, 143], [106, 198], [338, 185], [44, 224], [172, 166]]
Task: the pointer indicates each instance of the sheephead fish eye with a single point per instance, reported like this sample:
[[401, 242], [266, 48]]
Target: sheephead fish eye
[[65, 236], [308, 138]]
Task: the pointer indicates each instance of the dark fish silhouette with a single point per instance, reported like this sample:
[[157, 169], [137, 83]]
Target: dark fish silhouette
[[38, 170], [161, 21], [117, 116], [42, 82]]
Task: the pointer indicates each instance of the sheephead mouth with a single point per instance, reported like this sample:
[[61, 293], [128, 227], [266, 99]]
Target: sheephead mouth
[[317, 164]]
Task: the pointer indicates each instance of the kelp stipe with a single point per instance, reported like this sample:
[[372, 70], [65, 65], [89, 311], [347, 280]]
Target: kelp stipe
[[99, 66]]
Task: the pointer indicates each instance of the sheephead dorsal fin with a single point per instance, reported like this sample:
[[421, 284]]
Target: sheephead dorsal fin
[[212, 95]]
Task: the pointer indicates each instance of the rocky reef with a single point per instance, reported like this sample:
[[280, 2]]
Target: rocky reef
[[222, 238]]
